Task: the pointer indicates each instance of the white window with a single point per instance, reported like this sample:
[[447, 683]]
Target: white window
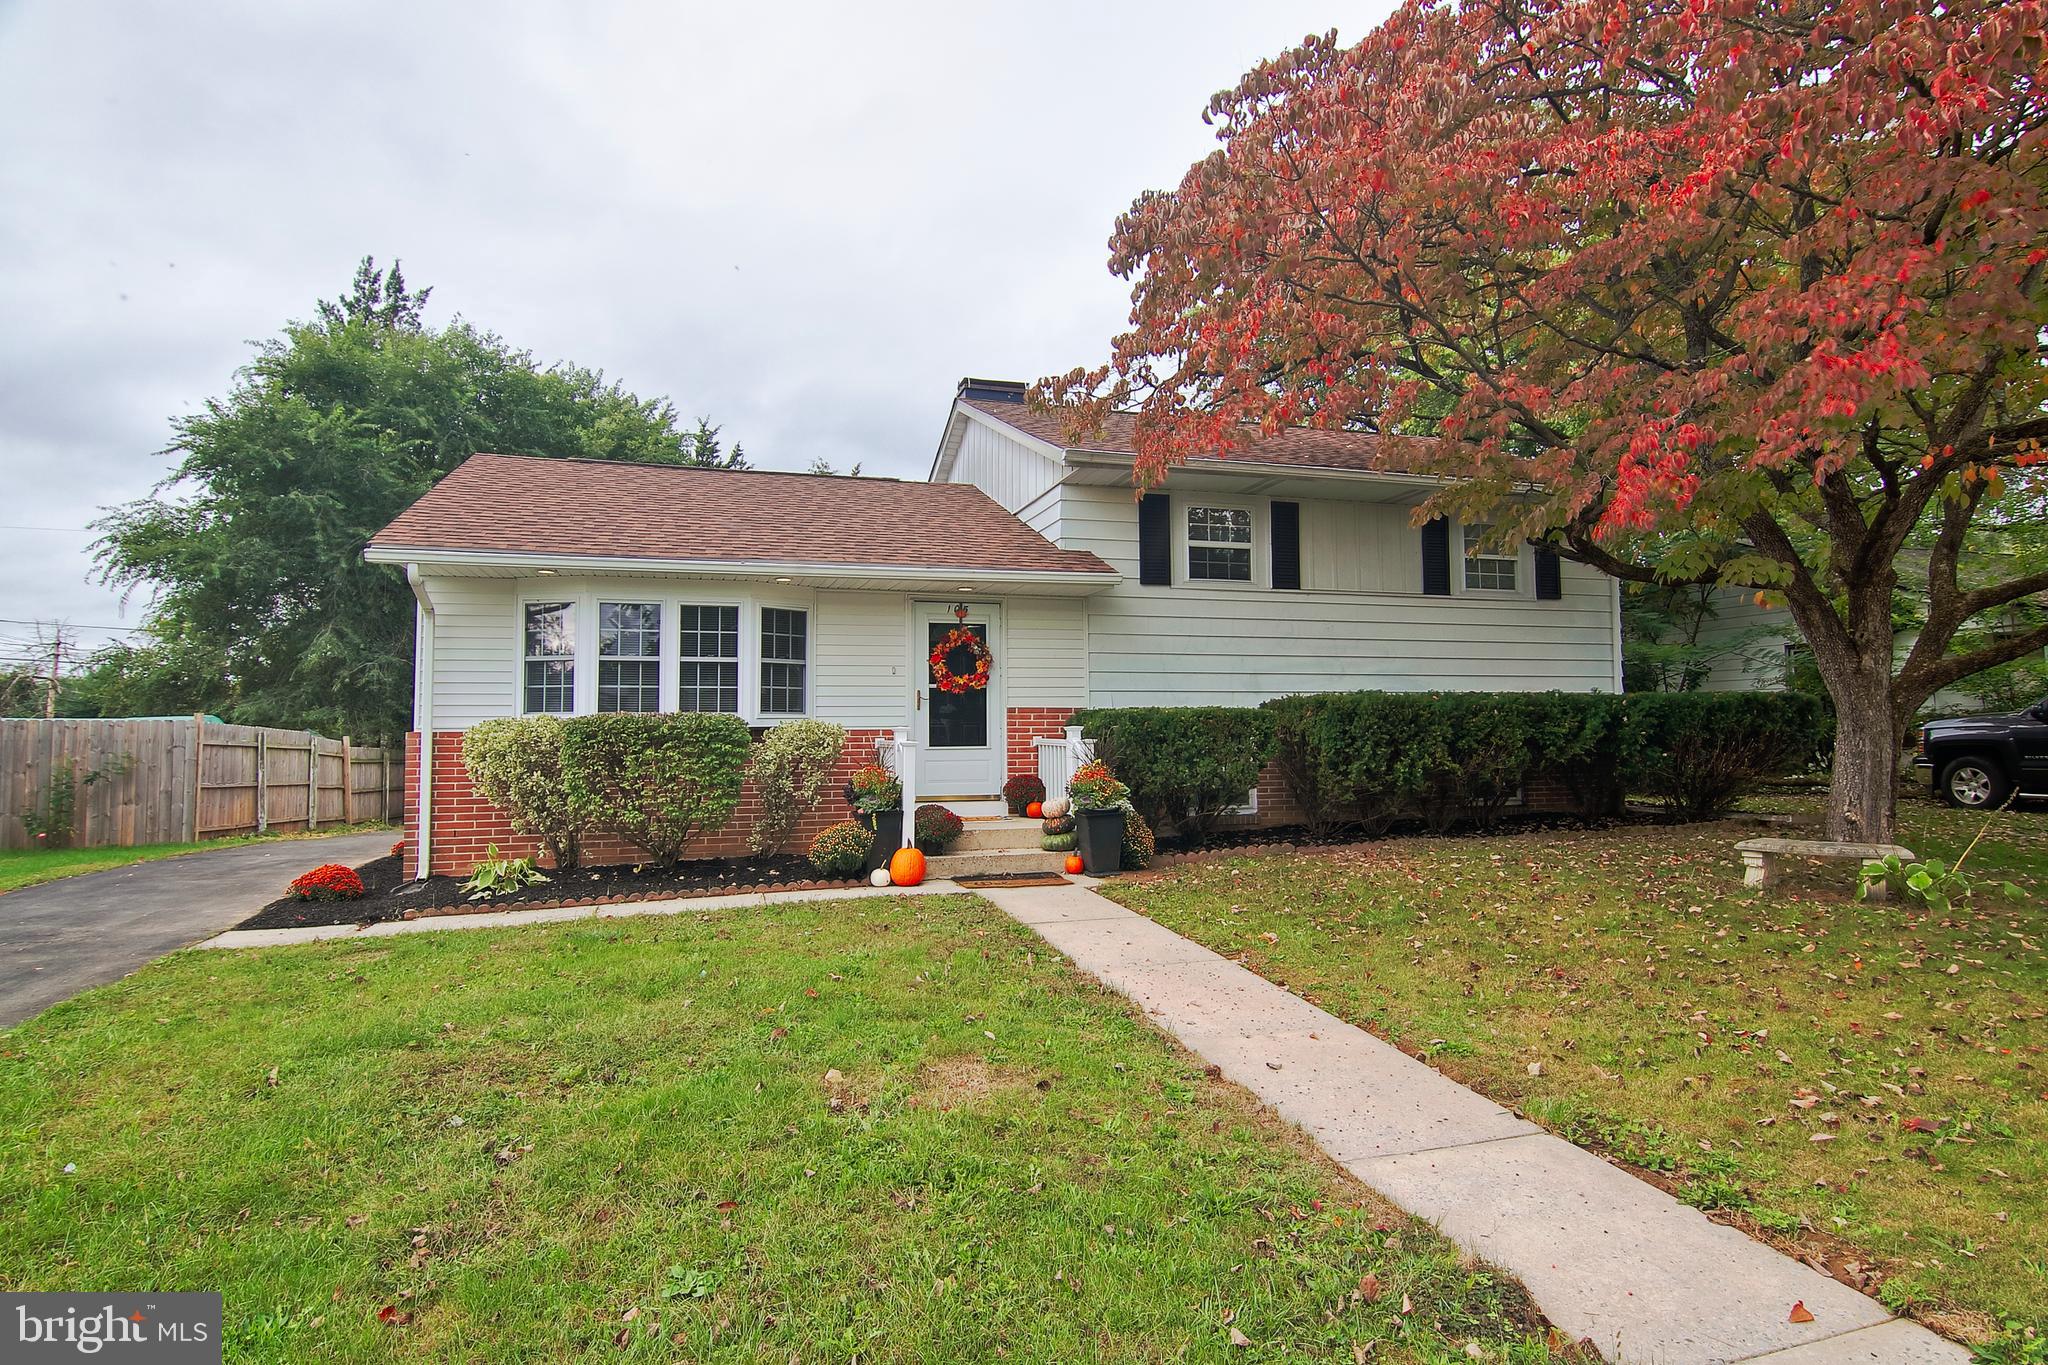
[[1220, 544], [550, 657], [709, 678], [1487, 570], [629, 656], [785, 660]]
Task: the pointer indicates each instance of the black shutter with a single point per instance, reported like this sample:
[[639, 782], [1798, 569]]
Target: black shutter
[[1436, 557], [1155, 540], [1287, 545], [1549, 584]]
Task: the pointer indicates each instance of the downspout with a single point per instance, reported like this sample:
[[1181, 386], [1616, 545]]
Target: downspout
[[423, 718], [1618, 685]]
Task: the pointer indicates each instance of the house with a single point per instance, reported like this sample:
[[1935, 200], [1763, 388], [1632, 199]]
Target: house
[[570, 586]]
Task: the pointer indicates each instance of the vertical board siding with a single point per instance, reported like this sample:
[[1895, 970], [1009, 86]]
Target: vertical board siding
[[1010, 472], [170, 781]]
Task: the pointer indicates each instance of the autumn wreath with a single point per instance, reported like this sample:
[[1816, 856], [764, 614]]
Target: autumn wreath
[[943, 676]]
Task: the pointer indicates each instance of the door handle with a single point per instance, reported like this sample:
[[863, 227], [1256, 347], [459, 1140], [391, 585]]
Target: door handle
[[920, 699]]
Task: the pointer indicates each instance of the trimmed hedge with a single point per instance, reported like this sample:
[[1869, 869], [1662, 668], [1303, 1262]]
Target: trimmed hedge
[[1185, 765], [515, 763], [656, 781], [1368, 758]]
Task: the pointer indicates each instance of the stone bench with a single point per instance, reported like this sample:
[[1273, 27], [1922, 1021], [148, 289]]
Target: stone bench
[[1760, 857]]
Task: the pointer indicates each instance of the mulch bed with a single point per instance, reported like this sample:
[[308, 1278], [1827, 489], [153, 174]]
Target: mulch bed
[[388, 896]]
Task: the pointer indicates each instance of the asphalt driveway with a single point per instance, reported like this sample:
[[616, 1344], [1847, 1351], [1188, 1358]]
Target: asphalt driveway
[[66, 936]]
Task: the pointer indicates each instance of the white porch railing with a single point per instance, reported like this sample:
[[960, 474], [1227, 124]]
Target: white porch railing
[[897, 752], [1059, 757]]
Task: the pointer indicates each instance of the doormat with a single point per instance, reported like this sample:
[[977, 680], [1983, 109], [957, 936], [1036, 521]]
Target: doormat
[[998, 880]]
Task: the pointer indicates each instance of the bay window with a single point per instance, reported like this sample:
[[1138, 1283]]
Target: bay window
[[629, 656], [550, 656], [785, 660], [709, 672]]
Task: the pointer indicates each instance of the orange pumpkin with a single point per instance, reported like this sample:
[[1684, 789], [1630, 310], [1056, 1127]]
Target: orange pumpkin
[[1073, 862], [906, 866], [1035, 811]]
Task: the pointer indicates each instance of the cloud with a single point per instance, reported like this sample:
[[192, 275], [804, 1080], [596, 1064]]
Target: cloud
[[805, 221]]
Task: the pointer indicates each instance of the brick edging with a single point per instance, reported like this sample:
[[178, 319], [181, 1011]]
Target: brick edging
[[630, 898]]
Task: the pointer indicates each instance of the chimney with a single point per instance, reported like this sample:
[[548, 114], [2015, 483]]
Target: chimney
[[993, 390]]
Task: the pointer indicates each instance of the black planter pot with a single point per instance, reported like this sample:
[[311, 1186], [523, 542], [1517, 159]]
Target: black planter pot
[[1102, 840], [888, 828]]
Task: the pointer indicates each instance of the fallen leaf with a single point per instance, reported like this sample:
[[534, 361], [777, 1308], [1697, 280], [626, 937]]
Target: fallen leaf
[[1799, 1312], [1238, 1338], [1368, 1287]]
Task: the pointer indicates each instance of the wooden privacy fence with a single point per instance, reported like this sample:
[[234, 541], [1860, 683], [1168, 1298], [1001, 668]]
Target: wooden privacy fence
[[187, 778]]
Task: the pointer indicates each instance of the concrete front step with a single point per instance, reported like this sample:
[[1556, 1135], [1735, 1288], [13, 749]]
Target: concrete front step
[[994, 863], [989, 836]]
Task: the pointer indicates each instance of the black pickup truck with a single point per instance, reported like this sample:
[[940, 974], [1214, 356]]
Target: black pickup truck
[[1979, 761]]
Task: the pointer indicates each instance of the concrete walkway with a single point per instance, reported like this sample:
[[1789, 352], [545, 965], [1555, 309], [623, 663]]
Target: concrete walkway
[[1608, 1257], [66, 936]]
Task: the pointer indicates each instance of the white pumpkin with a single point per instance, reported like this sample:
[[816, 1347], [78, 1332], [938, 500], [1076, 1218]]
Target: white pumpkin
[[1055, 809], [879, 877]]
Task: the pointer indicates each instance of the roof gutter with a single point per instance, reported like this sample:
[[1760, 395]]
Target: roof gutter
[[415, 556], [423, 719]]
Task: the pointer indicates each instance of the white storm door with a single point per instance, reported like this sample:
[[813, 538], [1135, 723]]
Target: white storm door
[[960, 735]]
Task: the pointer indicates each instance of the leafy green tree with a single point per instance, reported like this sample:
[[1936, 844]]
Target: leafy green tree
[[252, 547]]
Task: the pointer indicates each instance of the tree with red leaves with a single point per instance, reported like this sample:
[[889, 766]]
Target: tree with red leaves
[[1740, 292]]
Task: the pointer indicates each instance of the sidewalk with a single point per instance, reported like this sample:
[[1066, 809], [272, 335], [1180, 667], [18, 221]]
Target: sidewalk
[[1607, 1256]]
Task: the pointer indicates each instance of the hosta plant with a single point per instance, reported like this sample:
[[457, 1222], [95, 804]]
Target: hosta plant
[[496, 876]]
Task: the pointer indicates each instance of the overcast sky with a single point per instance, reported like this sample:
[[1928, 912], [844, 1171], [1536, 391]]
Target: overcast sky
[[805, 221]]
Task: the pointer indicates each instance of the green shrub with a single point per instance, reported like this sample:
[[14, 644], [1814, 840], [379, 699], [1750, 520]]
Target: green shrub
[[936, 828], [655, 781], [790, 767], [1369, 757], [515, 763], [841, 850], [1697, 752], [1139, 846], [1185, 765]]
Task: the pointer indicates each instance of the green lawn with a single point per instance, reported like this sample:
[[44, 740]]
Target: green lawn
[[21, 867], [1864, 1083], [884, 1130]]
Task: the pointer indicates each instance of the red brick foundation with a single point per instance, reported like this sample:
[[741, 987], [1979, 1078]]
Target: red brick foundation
[[1028, 725], [465, 825]]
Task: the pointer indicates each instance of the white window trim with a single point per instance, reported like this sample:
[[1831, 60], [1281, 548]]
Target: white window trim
[[1525, 571], [1255, 507], [583, 598]]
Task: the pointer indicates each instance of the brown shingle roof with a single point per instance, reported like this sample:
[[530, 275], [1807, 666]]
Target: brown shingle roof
[[1302, 447], [523, 504]]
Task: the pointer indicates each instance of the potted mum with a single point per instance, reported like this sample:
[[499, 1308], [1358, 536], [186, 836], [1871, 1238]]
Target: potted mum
[[877, 800], [1099, 816]]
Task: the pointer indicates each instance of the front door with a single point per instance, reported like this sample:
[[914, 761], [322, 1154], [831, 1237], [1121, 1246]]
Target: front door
[[959, 734]]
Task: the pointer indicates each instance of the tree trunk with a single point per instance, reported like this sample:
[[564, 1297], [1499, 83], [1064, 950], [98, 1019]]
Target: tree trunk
[[1864, 787], [1854, 657]]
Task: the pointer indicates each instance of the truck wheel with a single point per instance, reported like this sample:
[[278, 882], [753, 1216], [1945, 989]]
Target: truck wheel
[[1973, 783]]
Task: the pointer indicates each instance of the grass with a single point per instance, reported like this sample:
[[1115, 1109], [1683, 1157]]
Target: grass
[[883, 1130], [21, 867], [1863, 1083]]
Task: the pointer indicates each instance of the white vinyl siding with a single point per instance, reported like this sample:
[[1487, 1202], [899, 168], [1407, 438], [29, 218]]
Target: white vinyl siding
[[1045, 651], [1753, 642], [1195, 644], [860, 651], [1010, 472]]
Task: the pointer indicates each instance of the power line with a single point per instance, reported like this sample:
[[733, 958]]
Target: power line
[[74, 625]]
